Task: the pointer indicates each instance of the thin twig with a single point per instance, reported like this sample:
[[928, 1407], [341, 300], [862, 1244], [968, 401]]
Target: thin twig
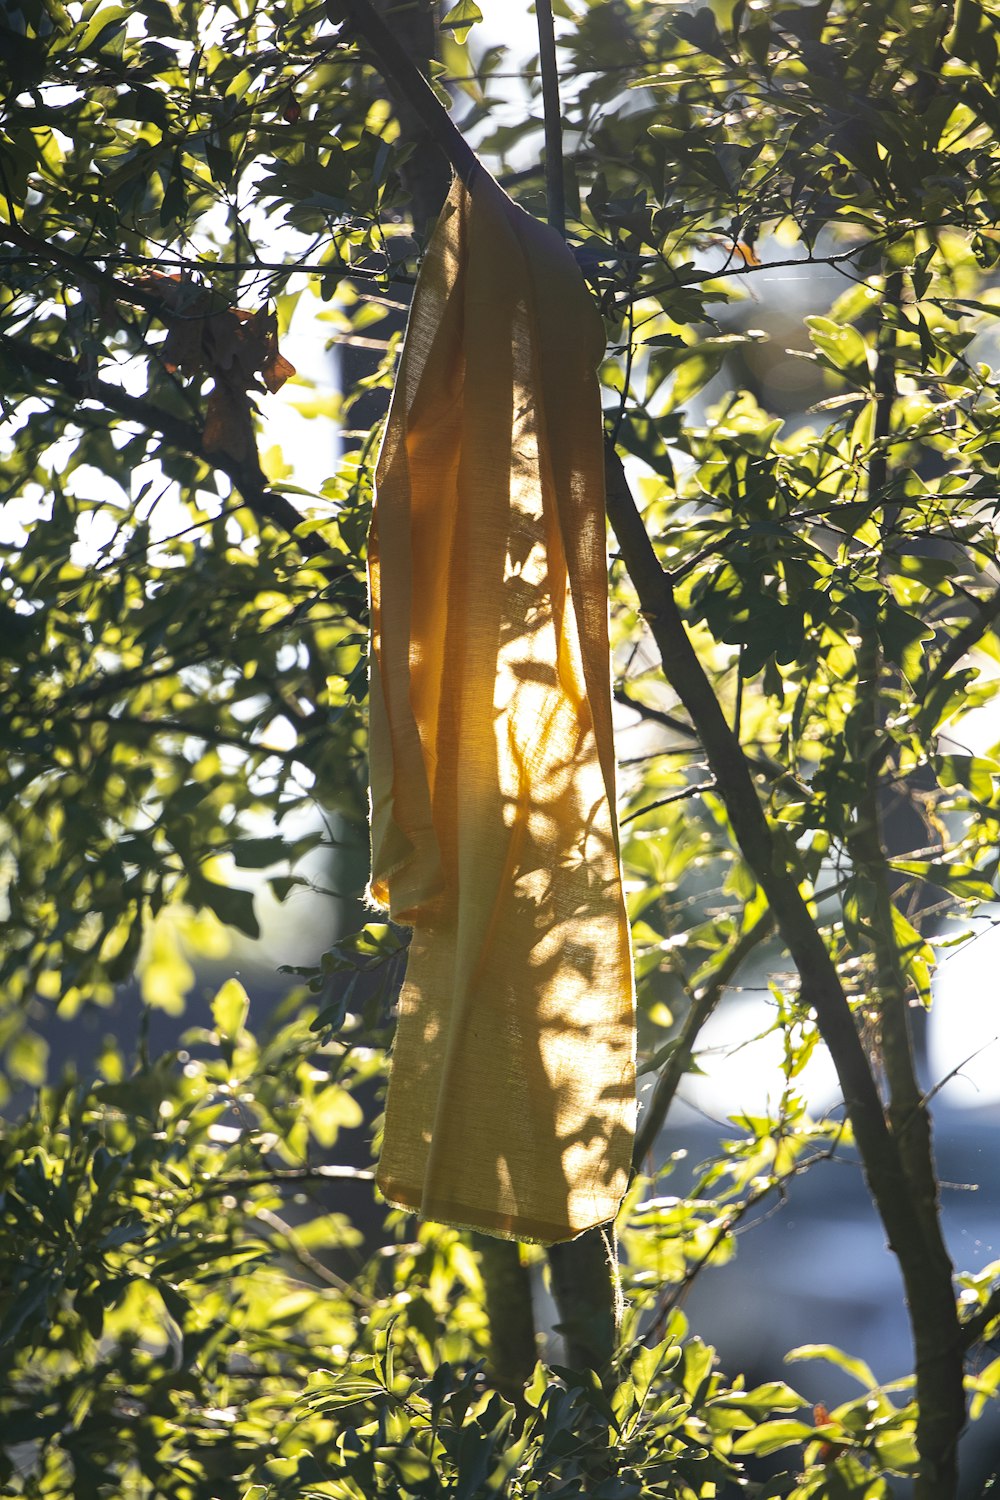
[[306, 1259], [207, 732], [284, 1177], [729, 1224], [555, 184], [655, 715], [702, 1006], [954, 1072], [679, 796], [214, 267]]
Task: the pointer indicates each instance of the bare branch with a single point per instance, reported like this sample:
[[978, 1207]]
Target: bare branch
[[702, 1006]]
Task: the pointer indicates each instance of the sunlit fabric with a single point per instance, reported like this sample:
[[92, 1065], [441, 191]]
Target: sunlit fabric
[[511, 1100]]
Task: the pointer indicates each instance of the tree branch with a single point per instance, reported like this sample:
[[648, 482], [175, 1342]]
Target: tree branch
[[513, 1340], [400, 70], [702, 1006], [684, 794], [246, 477], [149, 727], [284, 1177], [41, 252], [821, 984], [424, 173], [300, 1252], [934, 1323], [654, 715], [555, 185], [219, 267], [929, 1294]]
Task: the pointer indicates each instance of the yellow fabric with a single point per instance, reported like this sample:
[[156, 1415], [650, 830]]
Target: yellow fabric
[[511, 1099]]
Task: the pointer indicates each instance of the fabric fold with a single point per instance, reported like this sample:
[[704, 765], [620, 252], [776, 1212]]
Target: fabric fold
[[511, 1103]]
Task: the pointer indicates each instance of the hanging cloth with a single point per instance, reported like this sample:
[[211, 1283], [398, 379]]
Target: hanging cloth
[[511, 1100]]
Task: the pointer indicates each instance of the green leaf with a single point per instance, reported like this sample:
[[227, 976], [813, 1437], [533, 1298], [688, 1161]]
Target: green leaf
[[774, 1395], [230, 1008], [770, 1436], [229, 903], [898, 630], [701, 31], [694, 374], [962, 880], [259, 853], [834, 1356], [986, 1387], [104, 24], [123, 1234], [841, 347], [461, 18], [971, 771]]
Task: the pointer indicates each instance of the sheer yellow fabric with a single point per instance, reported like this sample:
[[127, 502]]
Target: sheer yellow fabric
[[511, 1100]]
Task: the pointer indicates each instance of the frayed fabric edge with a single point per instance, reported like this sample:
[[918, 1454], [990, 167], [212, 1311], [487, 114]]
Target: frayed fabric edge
[[501, 1230]]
